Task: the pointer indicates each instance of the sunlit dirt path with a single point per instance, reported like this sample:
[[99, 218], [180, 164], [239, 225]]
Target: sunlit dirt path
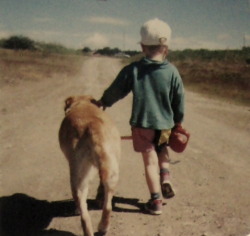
[[211, 178]]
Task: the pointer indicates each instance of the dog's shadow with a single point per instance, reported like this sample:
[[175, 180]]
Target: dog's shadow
[[22, 215]]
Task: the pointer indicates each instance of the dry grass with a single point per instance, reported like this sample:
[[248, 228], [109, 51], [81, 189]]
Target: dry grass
[[226, 80], [229, 80], [18, 66]]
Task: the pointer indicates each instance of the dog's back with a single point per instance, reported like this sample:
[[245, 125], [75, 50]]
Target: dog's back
[[87, 127], [90, 141]]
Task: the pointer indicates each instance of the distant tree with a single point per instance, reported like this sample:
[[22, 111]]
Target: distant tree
[[246, 54], [132, 52], [86, 50], [107, 51], [19, 43], [2, 42]]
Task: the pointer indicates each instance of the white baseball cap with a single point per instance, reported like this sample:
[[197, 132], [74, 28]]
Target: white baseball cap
[[155, 32]]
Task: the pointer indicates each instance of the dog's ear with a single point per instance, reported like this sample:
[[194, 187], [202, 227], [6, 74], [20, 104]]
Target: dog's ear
[[68, 103]]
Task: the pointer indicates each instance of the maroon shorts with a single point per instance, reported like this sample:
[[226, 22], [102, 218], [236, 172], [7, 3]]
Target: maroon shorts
[[143, 139]]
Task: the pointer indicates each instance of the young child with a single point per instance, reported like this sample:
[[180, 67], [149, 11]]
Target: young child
[[158, 106]]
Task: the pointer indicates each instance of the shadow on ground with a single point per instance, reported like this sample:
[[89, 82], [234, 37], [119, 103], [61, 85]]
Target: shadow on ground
[[22, 215]]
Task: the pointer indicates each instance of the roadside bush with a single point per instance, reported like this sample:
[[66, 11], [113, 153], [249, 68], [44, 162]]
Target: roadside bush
[[235, 55], [108, 51], [54, 48], [86, 50], [1, 42], [19, 43]]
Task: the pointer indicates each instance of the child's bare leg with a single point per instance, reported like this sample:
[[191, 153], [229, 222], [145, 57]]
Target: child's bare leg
[[150, 160], [154, 205], [166, 186], [164, 159]]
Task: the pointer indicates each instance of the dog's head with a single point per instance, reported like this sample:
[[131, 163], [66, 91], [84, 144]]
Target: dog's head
[[74, 100]]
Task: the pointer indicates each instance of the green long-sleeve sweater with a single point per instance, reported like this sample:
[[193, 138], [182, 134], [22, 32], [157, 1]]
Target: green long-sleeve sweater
[[158, 93]]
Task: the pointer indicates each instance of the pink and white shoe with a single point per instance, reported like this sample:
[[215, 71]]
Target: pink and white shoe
[[154, 207]]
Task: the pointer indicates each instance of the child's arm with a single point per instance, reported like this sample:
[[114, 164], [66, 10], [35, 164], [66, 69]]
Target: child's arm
[[178, 100], [120, 87], [99, 103]]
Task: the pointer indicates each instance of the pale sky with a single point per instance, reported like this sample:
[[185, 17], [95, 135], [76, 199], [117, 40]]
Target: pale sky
[[209, 24]]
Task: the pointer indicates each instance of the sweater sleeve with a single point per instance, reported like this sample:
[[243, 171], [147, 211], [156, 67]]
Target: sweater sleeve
[[178, 98], [119, 88]]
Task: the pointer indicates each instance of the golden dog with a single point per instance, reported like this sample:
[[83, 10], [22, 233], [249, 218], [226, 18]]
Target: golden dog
[[90, 141]]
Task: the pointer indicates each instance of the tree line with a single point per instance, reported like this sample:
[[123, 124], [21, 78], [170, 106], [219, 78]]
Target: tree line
[[25, 43]]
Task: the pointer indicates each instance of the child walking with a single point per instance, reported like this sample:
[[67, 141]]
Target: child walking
[[158, 106]]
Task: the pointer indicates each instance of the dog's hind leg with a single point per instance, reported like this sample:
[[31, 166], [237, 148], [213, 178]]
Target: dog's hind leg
[[80, 177], [100, 195], [107, 209], [109, 184], [85, 217]]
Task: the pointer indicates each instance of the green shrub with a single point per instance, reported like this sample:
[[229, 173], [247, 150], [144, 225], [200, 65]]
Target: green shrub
[[1, 42], [86, 50], [53, 48], [108, 51], [19, 43]]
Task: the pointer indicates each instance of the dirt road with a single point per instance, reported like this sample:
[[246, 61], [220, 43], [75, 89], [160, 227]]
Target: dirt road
[[211, 178]]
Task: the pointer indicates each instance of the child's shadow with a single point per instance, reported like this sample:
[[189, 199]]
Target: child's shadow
[[22, 215]]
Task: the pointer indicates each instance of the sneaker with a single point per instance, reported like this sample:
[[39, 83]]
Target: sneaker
[[154, 207], [166, 186]]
